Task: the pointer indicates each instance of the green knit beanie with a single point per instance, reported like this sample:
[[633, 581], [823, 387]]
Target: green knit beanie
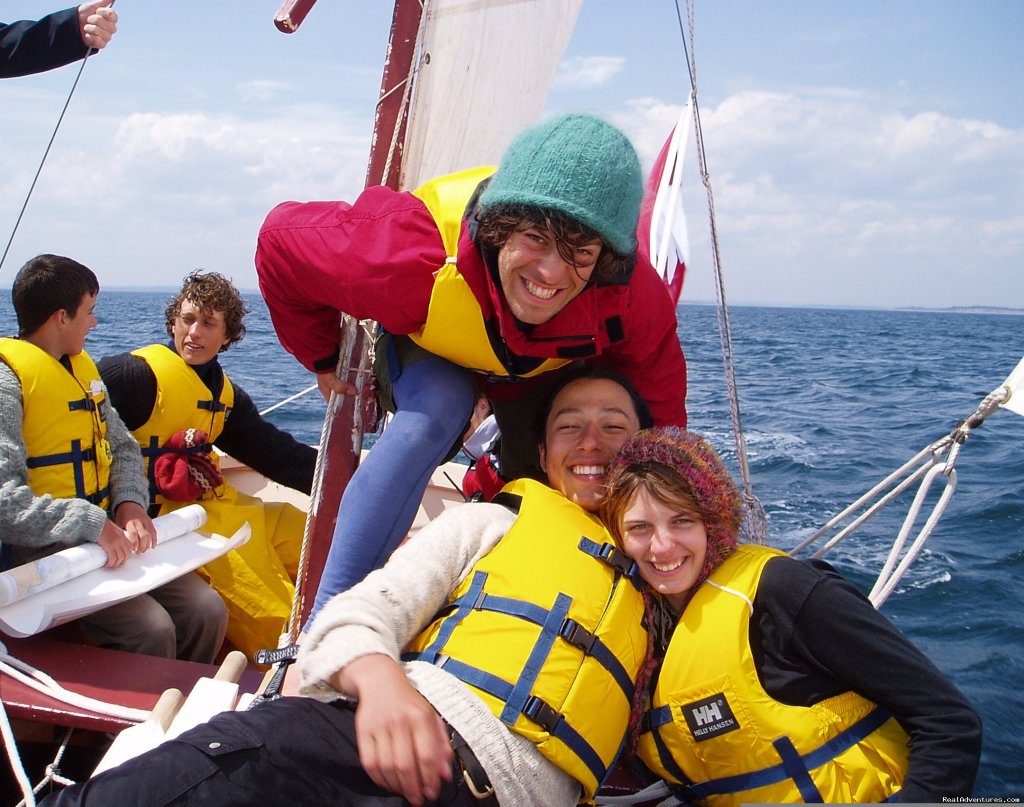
[[578, 165]]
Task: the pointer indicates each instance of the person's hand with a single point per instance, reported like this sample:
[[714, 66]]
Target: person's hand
[[403, 743], [329, 382], [137, 525], [97, 23], [115, 543]]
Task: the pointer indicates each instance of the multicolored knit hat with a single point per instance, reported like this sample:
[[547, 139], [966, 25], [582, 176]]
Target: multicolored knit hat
[[578, 165], [690, 457]]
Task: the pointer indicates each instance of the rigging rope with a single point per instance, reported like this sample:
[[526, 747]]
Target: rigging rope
[[756, 522], [928, 465], [46, 154]]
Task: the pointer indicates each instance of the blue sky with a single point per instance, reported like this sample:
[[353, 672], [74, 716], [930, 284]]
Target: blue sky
[[865, 154]]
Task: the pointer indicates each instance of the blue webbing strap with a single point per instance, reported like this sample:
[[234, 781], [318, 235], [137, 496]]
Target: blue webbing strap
[[612, 556], [541, 649], [464, 605], [808, 762], [98, 496], [797, 771], [668, 762], [578, 636], [74, 455], [656, 718], [555, 725], [511, 607], [211, 406], [152, 451], [85, 404], [76, 458], [474, 676]]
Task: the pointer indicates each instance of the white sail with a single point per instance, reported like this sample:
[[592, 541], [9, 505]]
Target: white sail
[[1014, 386], [484, 74]]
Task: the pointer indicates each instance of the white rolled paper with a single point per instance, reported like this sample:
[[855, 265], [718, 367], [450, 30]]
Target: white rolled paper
[[39, 575]]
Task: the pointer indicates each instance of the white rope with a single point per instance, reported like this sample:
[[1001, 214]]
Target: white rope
[[17, 766], [756, 522], [41, 682], [288, 400], [926, 468], [659, 790], [52, 774]]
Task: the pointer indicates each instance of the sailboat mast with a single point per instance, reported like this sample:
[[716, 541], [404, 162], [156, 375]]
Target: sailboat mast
[[341, 438], [387, 147]]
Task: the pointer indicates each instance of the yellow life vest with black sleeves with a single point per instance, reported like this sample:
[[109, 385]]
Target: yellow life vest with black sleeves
[[183, 401], [547, 629], [455, 328], [718, 738], [64, 423]]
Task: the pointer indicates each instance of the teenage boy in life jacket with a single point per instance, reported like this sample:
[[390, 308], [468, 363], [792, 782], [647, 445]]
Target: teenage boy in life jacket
[[418, 685], [71, 473], [179, 403], [35, 46], [482, 281]]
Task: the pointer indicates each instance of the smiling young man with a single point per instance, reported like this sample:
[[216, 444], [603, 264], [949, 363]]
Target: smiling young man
[[178, 402], [492, 658], [70, 473], [484, 282]]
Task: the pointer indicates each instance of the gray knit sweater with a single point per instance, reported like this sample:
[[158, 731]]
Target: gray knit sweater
[[38, 525], [392, 605]]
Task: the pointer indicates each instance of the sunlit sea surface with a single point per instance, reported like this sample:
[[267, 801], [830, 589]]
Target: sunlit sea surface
[[832, 400]]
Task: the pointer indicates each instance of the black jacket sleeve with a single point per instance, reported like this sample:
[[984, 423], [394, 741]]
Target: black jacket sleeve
[[257, 442], [816, 635], [36, 46], [132, 387]]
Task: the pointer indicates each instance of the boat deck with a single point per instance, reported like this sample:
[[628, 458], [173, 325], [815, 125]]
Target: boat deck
[[114, 676]]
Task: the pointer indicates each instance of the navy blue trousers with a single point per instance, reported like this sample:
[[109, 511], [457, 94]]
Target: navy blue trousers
[[293, 751]]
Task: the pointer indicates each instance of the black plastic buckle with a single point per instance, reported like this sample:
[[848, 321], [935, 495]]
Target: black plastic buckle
[[541, 714], [576, 635], [619, 560]]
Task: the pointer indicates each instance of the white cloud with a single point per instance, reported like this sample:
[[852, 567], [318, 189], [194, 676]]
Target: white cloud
[[263, 91], [817, 190], [587, 72]]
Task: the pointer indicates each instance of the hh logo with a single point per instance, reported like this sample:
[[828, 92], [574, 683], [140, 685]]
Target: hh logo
[[709, 717]]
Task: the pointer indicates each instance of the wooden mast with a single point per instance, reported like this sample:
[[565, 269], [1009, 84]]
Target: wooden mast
[[343, 432]]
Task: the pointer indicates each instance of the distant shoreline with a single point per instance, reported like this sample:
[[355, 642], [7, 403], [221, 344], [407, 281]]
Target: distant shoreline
[[961, 309]]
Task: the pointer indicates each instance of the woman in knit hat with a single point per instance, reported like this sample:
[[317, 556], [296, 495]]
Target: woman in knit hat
[[776, 680], [478, 279]]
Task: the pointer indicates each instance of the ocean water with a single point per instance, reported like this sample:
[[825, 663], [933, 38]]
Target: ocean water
[[832, 401]]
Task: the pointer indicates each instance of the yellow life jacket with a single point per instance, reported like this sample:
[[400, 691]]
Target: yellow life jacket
[[183, 401], [714, 732], [455, 328], [64, 423], [255, 580], [547, 630]]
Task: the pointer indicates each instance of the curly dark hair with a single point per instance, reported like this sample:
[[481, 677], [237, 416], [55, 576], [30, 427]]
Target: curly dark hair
[[211, 291], [496, 226]]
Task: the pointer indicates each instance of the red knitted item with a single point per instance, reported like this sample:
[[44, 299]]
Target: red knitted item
[[185, 475]]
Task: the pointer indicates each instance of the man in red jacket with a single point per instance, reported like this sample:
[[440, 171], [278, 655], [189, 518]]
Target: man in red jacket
[[482, 282]]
